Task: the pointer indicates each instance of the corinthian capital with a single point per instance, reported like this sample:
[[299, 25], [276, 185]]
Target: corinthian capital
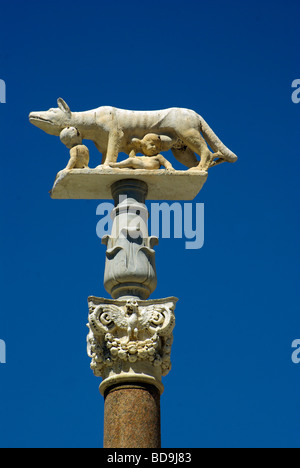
[[130, 340]]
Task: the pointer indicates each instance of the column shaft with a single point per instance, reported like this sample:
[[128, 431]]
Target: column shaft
[[132, 417]]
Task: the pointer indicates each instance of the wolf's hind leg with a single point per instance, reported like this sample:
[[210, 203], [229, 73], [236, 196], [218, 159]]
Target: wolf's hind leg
[[193, 139]]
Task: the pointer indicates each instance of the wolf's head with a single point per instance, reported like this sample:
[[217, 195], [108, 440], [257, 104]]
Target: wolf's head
[[53, 121]]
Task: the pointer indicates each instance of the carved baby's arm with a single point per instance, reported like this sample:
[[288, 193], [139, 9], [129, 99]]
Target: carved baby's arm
[[132, 154], [165, 163], [71, 163]]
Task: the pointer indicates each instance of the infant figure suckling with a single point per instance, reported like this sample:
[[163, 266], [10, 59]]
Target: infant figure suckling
[[79, 153], [150, 146]]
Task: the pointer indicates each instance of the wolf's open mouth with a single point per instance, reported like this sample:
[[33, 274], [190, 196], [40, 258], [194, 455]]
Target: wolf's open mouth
[[35, 117]]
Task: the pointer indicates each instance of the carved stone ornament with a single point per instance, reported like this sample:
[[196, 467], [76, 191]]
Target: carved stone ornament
[[114, 130], [130, 340], [130, 258]]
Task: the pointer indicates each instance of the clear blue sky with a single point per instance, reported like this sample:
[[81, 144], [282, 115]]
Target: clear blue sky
[[233, 383]]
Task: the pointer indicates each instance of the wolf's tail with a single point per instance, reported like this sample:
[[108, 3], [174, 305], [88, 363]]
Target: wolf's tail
[[215, 143]]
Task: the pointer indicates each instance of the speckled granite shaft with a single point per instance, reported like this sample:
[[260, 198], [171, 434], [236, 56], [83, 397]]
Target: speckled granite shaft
[[132, 417]]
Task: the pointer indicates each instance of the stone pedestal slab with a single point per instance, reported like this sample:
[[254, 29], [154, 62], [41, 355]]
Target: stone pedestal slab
[[95, 184]]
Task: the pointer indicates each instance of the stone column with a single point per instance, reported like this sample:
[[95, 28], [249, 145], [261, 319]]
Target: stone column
[[132, 417], [130, 337]]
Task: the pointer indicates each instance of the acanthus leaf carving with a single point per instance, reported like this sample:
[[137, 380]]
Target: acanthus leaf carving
[[131, 331]]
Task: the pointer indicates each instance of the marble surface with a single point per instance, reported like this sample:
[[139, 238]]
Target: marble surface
[[95, 184]]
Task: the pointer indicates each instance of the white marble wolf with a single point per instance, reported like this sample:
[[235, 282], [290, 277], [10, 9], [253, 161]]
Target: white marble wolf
[[112, 130]]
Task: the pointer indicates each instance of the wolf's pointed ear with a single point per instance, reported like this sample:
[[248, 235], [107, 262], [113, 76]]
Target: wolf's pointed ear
[[63, 106]]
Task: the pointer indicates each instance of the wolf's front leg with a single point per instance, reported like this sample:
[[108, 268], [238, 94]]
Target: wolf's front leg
[[113, 147]]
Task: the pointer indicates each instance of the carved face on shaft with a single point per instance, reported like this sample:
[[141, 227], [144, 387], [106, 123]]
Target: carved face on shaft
[[53, 121]]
